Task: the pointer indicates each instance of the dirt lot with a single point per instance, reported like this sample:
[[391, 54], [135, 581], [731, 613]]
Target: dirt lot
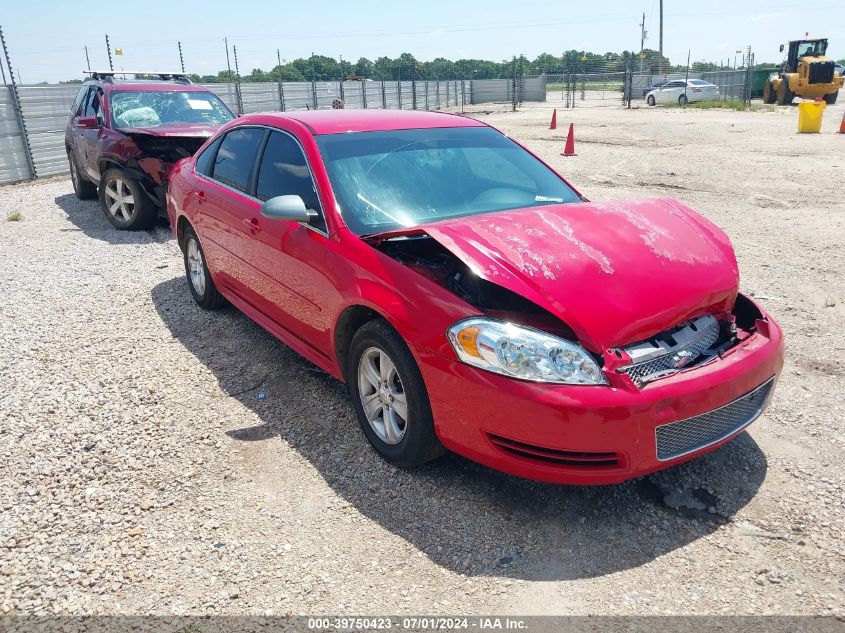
[[142, 470]]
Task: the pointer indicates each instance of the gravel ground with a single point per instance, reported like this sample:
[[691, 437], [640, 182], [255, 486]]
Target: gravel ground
[[156, 458]]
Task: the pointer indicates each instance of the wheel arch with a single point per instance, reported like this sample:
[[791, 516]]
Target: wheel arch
[[182, 223], [350, 320]]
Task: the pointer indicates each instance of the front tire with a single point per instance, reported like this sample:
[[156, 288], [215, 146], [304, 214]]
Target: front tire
[[682, 100], [784, 95], [200, 283], [390, 398], [126, 206], [650, 100], [831, 98], [84, 189]]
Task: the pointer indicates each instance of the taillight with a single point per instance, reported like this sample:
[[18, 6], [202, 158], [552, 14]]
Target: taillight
[[696, 89]]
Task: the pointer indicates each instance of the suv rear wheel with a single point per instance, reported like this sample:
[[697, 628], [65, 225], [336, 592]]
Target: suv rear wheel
[[84, 189], [123, 202]]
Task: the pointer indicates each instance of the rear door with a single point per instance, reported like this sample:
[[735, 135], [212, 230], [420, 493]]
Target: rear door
[[73, 133], [671, 91], [90, 138], [220, 204]]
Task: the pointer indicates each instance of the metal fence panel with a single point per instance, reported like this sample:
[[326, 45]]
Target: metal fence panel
[[45, 109], [260, 97], [13, 163], [227, 94], [353, 94], [374, 93], [491, 90], [298, 95], [534, 88]]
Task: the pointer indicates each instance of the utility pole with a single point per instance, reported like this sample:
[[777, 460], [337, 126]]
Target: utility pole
[[87, 61], [660, 52], [238, 81], [228, 65], [181, 59], [642, 41], [281, 85], [108, 48]]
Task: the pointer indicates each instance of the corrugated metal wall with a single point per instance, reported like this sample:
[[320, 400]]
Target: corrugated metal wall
[[13, 162], [45, 109]]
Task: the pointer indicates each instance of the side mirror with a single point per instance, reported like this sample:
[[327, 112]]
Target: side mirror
[[781, 48], [286, 208], [87, 123]]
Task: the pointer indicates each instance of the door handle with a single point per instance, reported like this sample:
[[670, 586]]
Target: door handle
[[252, 224], [199, 196]]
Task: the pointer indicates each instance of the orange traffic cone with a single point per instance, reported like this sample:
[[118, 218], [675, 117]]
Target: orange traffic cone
[[553, 124], [569, 149], [842, 125]]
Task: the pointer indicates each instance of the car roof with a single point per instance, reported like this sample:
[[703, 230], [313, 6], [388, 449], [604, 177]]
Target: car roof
[[339, 121]]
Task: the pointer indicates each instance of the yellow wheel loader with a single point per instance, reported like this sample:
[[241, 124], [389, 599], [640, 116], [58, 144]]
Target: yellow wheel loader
[[806, 73]]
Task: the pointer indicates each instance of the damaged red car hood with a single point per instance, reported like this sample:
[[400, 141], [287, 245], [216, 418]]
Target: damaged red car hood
[[616, 272], [165, 131]]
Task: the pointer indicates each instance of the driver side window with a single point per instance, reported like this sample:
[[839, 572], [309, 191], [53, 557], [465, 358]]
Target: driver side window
[[93, 106], [284, 171]]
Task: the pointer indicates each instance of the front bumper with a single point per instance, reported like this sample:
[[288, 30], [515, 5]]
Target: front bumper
[[588, 435]]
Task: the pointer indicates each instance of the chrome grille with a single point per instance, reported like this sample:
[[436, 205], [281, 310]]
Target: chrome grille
[[686, 436], [658, 359]]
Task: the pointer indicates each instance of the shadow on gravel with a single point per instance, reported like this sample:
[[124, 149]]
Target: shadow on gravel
[[462, 516], [89, 218]]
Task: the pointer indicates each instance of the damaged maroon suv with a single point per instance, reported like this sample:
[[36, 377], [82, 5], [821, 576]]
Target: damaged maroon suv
[[123, 137]]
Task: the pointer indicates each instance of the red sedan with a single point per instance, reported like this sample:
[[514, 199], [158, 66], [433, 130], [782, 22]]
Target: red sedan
[[471, 298]]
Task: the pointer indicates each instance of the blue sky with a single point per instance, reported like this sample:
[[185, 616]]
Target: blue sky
[[46, 39]]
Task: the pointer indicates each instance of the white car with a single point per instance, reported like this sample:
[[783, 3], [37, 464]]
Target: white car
[[683, 91]]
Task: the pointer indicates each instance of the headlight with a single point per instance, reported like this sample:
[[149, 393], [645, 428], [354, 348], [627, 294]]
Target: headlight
[[524, 353]]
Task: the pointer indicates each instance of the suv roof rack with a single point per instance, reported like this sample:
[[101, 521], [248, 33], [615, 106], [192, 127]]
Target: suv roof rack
[[108, 75]]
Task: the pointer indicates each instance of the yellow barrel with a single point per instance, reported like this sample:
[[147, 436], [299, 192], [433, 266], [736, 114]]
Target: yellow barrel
[[810, 116]]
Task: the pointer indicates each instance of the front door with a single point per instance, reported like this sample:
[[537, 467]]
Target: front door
[[292, 256]]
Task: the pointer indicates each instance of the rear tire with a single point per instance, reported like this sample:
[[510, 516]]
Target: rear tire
[[831, 98], [200, 283], [650, 100], [769, 94], [682, 100], [124, 202], [397, 421], [84, 189]]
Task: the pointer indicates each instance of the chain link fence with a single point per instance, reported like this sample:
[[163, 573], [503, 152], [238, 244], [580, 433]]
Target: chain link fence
[[612, 86]]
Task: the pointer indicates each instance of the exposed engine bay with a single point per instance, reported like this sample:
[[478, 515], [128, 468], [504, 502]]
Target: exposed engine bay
[[167, 148], [430, 259]]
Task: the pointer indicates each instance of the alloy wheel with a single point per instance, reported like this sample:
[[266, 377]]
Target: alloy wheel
[[120, 200], [196, 269], [382, 395]]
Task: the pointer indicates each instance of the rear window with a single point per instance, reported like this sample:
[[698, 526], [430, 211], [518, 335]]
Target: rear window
[[204, 164], [236, 157], [699, 82]]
